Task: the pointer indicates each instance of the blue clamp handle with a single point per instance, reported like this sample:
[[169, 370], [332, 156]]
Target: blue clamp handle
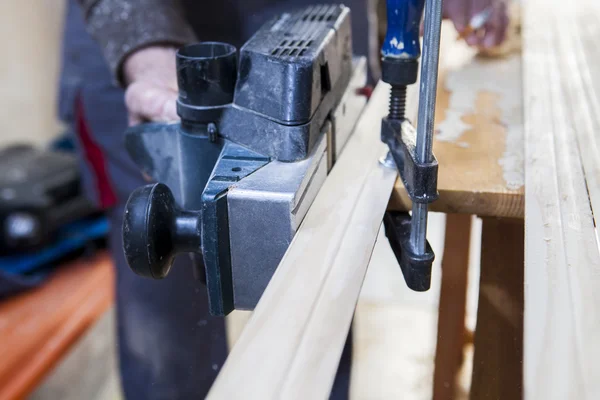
[[403, 29]]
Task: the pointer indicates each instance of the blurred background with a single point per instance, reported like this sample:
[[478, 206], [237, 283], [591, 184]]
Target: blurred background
[[56, 283]]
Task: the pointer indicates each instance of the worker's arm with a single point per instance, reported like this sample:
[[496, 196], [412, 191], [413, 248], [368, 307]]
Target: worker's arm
[[139, 39], [125, 26]]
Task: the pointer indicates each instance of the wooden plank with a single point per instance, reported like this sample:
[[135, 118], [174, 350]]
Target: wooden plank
[[497, 371], [39, 326], [452, 308], [479, 134], [293, 341], [562, 261], [582, 39], [91, 363]]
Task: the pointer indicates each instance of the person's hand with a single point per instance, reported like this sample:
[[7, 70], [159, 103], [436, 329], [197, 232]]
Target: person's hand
[[151, 78], [493, 31]]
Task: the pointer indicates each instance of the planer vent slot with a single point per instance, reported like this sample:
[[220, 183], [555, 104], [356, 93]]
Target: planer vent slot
[[294, 47], [320, 13], [301, 31]]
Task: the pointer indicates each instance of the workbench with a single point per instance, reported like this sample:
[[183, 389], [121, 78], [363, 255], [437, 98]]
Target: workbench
[[479, 146]]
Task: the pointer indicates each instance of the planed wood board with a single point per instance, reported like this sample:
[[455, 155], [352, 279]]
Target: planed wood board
[[562, 260], [584, 89], [293, 342]]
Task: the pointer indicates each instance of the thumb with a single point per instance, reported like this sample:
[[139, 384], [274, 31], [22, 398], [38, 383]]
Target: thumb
[[148, 102]]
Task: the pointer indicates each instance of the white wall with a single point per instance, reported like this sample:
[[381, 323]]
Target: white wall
[[30, 33]]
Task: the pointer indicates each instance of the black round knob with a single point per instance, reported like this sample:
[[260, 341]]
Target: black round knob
[[155, 230]]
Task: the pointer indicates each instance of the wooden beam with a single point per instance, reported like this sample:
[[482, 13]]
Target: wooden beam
[[293, 342], [562, 261], [497, 371], [452, 308]]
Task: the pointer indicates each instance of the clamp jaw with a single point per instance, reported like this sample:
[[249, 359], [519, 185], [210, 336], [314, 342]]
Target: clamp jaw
[[410, 150]]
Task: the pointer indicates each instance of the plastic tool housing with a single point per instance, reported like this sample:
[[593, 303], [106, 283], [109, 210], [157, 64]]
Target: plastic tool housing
[[290, 75]]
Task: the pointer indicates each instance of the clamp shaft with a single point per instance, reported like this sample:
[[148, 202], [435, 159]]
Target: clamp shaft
[[426, 119], [412, 151]]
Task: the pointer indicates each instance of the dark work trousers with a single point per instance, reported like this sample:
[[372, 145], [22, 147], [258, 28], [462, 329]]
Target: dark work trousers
[[169, 346]]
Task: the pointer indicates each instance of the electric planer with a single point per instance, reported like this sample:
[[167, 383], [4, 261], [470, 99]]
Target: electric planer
[[256, 140]]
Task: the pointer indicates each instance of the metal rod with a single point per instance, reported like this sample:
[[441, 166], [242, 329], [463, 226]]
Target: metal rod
[[427, 99], [429, 76], [418, 231]]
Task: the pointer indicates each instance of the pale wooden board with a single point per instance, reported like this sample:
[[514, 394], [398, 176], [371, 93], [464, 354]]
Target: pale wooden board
[[479, 138], [562, 261], [584, 90], [293, 341], [394, 351]]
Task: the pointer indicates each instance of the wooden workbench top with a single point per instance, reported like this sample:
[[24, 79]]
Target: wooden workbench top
[[479, 134], [37, 327]]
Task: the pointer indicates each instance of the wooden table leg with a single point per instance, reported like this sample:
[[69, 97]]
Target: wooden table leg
[[498, 358], [453, 296]]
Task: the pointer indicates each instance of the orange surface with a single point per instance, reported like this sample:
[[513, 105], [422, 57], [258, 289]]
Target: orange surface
[[38, 327]]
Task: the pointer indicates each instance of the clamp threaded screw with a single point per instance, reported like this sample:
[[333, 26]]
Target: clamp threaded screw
[[397, 102]]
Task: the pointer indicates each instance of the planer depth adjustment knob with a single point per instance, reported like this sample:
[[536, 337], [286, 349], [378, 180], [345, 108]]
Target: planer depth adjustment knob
[[156, 230]]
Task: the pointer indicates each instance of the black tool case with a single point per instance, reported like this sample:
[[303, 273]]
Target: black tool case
[[40, 191]]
